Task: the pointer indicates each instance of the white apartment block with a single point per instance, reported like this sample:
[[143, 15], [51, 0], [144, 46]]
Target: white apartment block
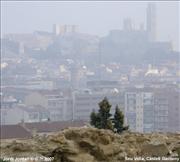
[[139, 111], [153, 109]]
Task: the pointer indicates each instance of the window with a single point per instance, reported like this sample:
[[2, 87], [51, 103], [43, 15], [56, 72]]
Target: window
[[33, 116]]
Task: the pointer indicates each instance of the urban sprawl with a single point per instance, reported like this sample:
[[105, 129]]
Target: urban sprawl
[[61, 76]]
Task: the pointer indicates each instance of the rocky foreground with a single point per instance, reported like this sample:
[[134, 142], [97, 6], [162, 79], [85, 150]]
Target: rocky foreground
[[94, 145]]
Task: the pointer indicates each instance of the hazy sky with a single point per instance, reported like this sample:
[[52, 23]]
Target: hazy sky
[[94, 17]]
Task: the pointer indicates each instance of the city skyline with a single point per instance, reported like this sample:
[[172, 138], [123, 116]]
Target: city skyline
[[75, 70], [98, 22]]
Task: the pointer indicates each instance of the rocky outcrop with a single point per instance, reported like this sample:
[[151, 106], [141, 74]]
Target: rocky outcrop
[[94, 145]]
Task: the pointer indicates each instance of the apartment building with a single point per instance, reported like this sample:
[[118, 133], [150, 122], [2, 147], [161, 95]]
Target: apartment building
[[167, 109], [139, 110], [153, 109], [58, 105], [84, 102], [19, 113]]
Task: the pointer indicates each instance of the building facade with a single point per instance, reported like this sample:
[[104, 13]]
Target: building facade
[[84, 102], [153, 109], [139, 111]]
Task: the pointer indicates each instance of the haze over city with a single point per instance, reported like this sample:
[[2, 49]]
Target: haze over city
[[91, 17], [90, 80]]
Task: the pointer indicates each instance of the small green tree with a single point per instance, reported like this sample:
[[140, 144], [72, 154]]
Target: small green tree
[[95, 119], [104, 114], [102, 119], [119, 120], [1, 160]]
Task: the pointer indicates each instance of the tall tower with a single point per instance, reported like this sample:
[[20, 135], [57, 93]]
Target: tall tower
[[56, 29], [151, 21], [21, 48], [127, 24]]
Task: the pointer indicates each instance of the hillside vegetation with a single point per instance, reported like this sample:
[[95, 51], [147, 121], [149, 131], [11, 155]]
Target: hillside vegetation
[[88, 144]]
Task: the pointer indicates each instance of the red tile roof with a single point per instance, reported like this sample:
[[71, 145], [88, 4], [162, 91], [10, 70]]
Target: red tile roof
[[13, 131], [50, 126]]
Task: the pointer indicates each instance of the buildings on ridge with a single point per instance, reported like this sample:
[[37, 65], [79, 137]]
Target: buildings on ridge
[[64, 74]]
